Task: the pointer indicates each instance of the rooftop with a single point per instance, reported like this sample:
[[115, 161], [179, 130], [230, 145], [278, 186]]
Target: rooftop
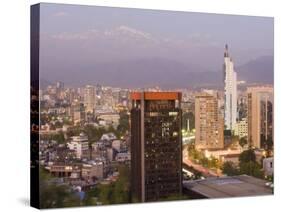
[[163, 95], [234, 186]]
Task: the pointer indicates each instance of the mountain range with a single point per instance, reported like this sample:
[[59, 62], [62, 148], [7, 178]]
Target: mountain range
[[166, 73], [127, 57]]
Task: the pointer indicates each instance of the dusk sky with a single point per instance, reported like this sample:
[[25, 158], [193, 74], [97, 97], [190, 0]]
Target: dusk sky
[[76, 38]]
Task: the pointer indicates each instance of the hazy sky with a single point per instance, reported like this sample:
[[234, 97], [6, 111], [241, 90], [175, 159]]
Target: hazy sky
[[77, 38]]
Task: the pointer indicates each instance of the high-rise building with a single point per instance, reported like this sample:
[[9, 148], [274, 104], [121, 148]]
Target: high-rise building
[[230, 92], [89, 98], [156, 145], [77, 111], [260, 116], [241, 128], [60, 85], [209, 124]]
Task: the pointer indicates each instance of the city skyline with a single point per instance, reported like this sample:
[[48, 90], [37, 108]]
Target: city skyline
[[124, 110]]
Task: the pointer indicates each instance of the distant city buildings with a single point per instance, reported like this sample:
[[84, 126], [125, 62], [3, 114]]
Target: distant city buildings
[[156, 145], [108, 118], [241, 128], [80, 145], [230, 92], [159, 123], [89, 98], [77, 111], [209, 124], [260, 116], [92, 170]]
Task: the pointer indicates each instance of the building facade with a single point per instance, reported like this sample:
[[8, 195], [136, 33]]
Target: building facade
[[89, 98], [268, 166], [230, 92], [260, 116], [93, 169], [209, 124], [156, 145], [80, 145], [241, 128], [77, 112]]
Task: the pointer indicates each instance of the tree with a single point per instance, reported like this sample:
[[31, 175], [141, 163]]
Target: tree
[[53, 195], [123, 126], [247, 156], [213, 163], [251, 168], [73, 131], [93, 133], [204, 161], [248, 164], [230, 169], [243, 141], [58, 137], [121, 187], [267, 143], [114, 193]]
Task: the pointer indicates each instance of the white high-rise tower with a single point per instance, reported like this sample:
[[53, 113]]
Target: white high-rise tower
[[230, 92]]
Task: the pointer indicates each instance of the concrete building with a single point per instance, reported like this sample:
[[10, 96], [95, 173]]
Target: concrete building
[[156, 145], [241, 128], [92, 169], [123, 156], [268, 166], [209, 125], [80, 145], [110, 154], [230, 92], [108, 137], [89, 98], [109, 118], [64, 170], [224, 155], [116, 144], [260, 116], [222, 187], [77, 112]]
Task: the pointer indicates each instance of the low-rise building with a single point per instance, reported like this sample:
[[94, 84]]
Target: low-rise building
[[109, 118], [92, 169], [222, 187], [108, 137], [268, 166], [110, 154], [123, 156], [64, 170], [116, 144], [224, 155]]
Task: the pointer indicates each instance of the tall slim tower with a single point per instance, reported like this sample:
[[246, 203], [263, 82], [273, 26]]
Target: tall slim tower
[[230, 92], [156, 145]]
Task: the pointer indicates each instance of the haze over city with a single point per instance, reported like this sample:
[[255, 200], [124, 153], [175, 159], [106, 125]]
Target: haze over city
[[122, 47]]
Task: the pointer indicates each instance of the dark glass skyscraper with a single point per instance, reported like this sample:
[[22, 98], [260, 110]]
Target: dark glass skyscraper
[[156, 145]]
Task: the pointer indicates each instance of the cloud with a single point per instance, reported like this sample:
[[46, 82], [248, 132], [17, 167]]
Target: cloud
[[125, 34], [60, 14], [71, 36]]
